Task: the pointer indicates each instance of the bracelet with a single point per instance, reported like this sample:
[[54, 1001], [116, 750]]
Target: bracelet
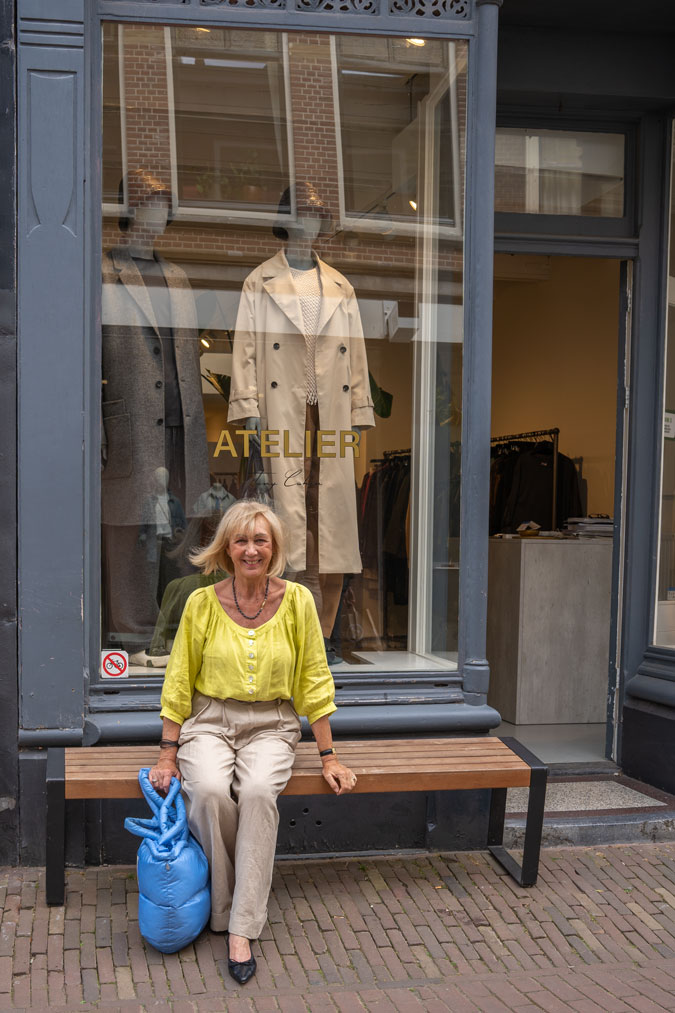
[[328, 752], [168, 743]]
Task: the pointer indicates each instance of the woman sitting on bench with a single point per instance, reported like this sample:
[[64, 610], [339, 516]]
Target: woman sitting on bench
[[248, 658]]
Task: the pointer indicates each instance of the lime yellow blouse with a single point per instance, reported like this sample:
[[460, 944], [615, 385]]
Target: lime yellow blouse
[[283, 659]]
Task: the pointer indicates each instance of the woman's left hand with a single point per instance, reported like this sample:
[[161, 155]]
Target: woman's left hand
[[340, 778]]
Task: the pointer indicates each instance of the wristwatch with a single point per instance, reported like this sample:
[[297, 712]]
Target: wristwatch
[[328, 752]]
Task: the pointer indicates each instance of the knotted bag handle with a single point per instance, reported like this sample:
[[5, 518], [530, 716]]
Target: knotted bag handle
[[168, 828]]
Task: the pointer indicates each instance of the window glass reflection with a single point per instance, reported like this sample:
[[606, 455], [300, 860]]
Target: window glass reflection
[[282, 320], [559, 172]]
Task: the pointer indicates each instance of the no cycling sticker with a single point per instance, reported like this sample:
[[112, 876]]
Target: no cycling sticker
[[114, 665]]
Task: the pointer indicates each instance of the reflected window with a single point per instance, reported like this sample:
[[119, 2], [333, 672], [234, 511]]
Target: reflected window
[[114, 134], [389, 90], [559, 172], [229, 153]]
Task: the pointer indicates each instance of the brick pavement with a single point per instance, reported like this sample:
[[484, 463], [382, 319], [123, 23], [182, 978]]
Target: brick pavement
[[392, 935]]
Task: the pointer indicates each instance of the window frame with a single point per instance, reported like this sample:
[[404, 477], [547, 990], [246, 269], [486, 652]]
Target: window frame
[[583, 226], [662, 404], [143, 687]]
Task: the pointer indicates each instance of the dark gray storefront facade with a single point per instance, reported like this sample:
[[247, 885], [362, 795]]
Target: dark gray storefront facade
[[548, 70]]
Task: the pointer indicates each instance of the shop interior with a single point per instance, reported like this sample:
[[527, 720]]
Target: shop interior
[[555, 368]]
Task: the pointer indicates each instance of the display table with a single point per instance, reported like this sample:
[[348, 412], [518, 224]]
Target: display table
[[549, 603]]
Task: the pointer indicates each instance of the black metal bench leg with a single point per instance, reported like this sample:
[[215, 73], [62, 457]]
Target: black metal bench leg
[[525, 875], [56, 825], [497, 816], [533, 827]]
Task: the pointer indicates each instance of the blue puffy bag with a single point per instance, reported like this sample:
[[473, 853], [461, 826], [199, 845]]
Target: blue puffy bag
[[174, 893]]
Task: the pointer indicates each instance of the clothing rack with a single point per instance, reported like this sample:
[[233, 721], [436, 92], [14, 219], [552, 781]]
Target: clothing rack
[[388, 458], [388, 455], [536, 434]]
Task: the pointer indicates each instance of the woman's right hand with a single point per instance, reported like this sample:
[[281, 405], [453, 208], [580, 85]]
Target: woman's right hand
[[161, 774]]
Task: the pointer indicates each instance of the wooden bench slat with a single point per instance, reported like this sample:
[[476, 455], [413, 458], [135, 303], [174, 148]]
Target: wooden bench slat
[[314, 784], [302, 759], [91, 756], [305, 759], [97, 783], [384, 763], [485, 742]]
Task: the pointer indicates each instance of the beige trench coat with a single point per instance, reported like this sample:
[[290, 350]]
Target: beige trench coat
[[268, 381]]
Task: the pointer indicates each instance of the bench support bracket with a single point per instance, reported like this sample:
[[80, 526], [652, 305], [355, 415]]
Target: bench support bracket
[[56, 825], [525, 875]]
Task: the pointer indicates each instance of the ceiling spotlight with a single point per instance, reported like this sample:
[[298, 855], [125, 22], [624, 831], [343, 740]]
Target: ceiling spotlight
[[413, 204], [205, 342], [416, 42]]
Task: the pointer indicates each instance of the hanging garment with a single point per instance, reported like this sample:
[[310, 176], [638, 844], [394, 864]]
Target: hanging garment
[[215, 500], [394, 545], [526, 493], [134, 406], [162, 518], [269, 381]]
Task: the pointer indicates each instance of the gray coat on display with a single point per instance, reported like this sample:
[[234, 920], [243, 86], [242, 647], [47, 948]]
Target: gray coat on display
[[133, 389]]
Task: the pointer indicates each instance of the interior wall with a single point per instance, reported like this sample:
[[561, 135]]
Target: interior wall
[[555, 348]]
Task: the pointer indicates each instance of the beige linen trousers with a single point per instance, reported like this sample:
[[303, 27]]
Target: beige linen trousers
[[234, 759]]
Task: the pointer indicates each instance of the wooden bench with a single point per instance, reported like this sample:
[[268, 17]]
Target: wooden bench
[[450, 764]]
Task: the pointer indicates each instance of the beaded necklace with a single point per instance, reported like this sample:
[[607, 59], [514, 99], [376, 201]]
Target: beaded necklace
[[239, 608]]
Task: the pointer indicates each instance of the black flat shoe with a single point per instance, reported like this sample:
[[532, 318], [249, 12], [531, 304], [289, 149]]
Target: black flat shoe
[[241, 970]]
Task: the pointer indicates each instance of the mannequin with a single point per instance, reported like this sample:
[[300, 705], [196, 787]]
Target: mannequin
[[299, 367], [163, 518], [152, 413]]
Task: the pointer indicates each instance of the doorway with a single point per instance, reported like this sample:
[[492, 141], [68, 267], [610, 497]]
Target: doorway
[[554, 423]]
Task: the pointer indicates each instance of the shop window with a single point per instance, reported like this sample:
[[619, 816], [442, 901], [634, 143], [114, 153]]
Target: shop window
[[559, 172], [665, 596], [300, 343]]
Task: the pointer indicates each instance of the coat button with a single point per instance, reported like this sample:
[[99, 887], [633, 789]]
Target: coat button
[[160, 422], [274, 384], [346, 388], [158, 383], [276, 346], [155, 350], [343, 349]]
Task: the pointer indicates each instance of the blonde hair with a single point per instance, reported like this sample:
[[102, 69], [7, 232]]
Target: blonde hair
[[241, 519]]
